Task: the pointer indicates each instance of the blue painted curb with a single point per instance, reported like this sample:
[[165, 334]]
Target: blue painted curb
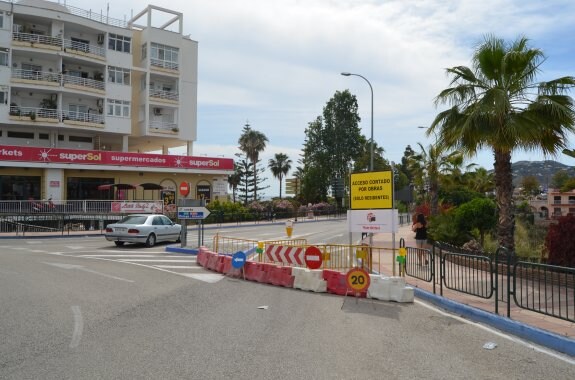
[[189, 251], [533, 334]]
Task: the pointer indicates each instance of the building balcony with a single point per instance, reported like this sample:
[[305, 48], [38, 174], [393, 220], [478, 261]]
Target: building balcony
[[46, 78], [84, 84], [45, 115], [164, 65], [84, 50], [34, 114], [163, 127], [169, 96], [36, 41], [43, 78]]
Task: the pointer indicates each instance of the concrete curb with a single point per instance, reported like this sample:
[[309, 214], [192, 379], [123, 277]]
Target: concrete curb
[[530, 333]]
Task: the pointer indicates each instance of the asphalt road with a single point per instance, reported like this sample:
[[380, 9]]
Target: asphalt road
[[84, 309]]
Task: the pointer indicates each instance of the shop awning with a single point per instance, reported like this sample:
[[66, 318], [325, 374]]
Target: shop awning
[[151, 186]]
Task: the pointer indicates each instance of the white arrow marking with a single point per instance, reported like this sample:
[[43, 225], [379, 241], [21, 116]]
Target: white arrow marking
[[80, 267]]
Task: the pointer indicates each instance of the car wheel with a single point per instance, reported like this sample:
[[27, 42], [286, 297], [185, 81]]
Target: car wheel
[[119, 243], [151, 241]]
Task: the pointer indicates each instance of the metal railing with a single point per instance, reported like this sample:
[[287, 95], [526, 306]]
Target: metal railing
[[164, 64], [164, 126], [34, 112], [95, 16], [43, 76], [340, 257], [37, 38], [168, 95], [541, 288], [83, 82], [80, 47], [84, 117]]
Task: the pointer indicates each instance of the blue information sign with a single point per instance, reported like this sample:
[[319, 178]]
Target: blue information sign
[[238, 259]]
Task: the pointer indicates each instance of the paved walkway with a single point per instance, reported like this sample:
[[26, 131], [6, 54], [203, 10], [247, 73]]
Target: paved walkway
[[555, 325]]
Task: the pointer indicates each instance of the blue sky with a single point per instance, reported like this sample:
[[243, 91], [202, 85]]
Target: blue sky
[[275, 63]]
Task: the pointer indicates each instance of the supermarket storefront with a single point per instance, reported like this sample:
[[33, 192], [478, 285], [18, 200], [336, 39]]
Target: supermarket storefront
[[69, 174]]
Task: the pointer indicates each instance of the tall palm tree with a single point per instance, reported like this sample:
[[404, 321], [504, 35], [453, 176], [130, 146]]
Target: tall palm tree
[[280, 166], [497, 103], [252, 143]]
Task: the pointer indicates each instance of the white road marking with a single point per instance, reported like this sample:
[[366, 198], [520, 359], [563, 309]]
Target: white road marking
[[78, 327], [158, 261], [80, 267], [178, 266], [135, 256], [500, 334], [206, 277]]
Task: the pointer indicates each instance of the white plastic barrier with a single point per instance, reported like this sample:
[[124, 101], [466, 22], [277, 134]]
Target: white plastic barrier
[[390, 289], [306, 279]]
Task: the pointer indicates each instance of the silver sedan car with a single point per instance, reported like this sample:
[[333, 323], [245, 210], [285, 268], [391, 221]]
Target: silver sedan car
[[143, 228]]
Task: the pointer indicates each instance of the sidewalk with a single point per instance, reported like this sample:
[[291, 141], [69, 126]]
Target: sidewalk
[[530, 318]]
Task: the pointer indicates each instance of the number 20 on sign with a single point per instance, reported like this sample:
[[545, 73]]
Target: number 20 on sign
[[357, 279]]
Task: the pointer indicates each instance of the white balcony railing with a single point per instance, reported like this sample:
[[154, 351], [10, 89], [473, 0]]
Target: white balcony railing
[[44, 76], [34, 112], [80, 47], [168, 95], [83, 82], [164, 64], [83, 117], [163, 126], [45, 114], [37, 38]]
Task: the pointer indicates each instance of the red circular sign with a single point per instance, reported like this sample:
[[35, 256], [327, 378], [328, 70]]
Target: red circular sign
[[184, 188], [358, 279], [313, 258]]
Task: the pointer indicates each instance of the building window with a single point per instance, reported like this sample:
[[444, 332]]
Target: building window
[[81, 139], [3, 95], [43, 136], [4, 57], [20, 187], [78, 112], [164, 56], [118, 108], [144, 51], [118, 75], [1, 20], [119, 43], [79, 188], [21, 135]]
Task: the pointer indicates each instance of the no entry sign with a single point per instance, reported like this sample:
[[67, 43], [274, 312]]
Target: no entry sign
[[313, 258]]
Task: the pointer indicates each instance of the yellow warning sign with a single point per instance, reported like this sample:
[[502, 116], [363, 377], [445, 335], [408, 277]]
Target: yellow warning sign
[[372, 190]]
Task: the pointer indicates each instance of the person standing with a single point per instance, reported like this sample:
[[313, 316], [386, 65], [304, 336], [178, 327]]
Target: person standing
[[420, 229]]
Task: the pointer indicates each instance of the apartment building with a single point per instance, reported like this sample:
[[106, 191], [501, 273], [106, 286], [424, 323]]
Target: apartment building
[[560, 203], [90, 105]]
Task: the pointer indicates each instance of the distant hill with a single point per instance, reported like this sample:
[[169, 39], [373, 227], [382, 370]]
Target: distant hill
[[542, 170]]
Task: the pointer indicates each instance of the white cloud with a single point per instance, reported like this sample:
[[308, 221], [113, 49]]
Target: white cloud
[[276, 63]]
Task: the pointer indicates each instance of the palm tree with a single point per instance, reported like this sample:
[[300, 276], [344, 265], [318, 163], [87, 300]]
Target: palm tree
[[252, 143], [234, 181], [428, 165], [280, 166], [498, 103]]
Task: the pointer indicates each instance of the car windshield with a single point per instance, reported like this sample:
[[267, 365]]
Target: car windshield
[[133, 219]]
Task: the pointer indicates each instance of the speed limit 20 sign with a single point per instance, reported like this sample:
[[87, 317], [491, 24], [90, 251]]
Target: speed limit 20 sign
[[358, 279]]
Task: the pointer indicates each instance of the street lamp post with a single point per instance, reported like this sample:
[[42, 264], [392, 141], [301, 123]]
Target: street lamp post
[[371, 141]]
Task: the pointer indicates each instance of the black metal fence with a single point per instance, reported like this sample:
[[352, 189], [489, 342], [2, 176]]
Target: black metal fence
[[541, 288]]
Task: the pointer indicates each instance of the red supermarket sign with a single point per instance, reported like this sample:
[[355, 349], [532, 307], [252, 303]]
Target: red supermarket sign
[[96, 157]]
